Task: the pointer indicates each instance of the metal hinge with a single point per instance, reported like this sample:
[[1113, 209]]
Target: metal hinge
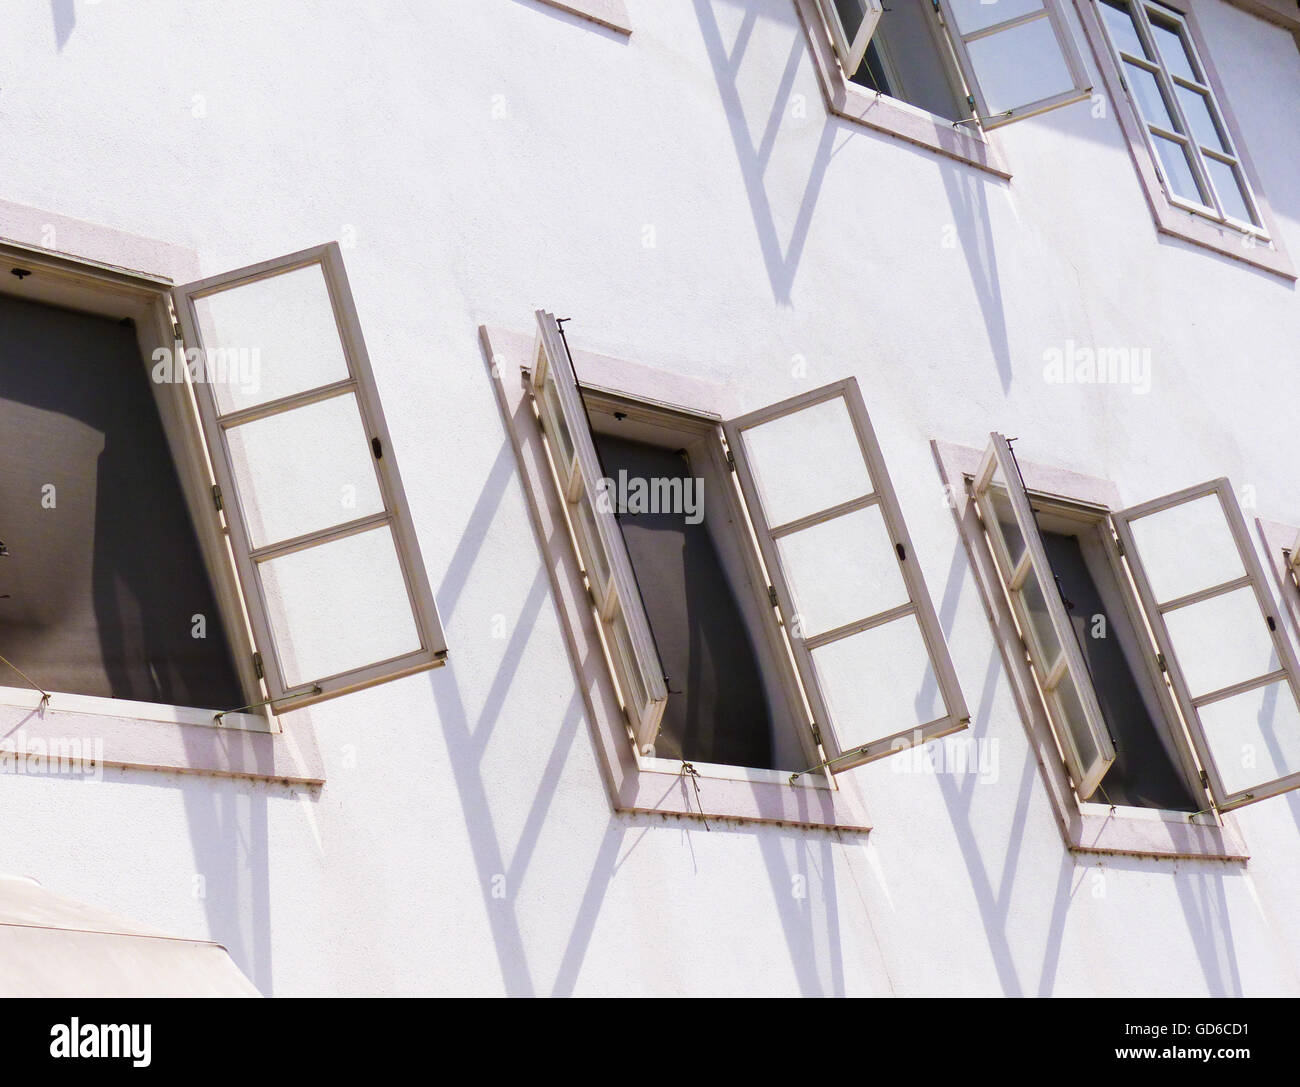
[[731, 460], [771, 595], [257, 666], [817, 734], [176, 329], [1205, 780], [216, 498], [1119, 544], [1160, 660]]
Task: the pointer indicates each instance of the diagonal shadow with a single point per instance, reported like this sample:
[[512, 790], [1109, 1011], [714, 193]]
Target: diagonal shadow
[[782, 261]]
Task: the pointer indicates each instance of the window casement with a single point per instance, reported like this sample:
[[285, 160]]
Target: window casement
[[1180, 130], [1207, 626], [845, 593], [306, 481], [299, 525], [1009, 61]]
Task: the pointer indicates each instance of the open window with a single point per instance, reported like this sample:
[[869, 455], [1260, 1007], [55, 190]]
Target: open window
[[962, 59], [306, 481], [810, 539], [1231, 665], [1184, 695]]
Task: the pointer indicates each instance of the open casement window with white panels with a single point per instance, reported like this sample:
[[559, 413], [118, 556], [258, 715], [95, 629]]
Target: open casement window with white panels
[[1231, 665], [868, 654], [1007, 60], [1205, 624], [317, 520]]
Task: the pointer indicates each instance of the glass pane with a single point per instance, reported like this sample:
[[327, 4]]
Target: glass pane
[[1187, 548], [1040, 622], [1005, 520], [807, 461], [1020, 66], [559, 431], [625, 661], [1254, 737], [852, 14], [973, 15], [878, 683], [1231, 189], [339, 606], [1177, 170], [1221, 641], [303, 470], [1119, 24], [1196, 108], [593, 556], [1173, 48], [278, 334], [842, 570], [1078, 734], [1148, 96]]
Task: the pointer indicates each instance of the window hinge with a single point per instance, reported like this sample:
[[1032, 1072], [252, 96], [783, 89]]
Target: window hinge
[[1205, 780], [1160, 660], [1272, 623], [817, 734], [257, 666], [176, 329], [731, 461], [216, 498], [771, 595], [902, 552], [1119, 544]]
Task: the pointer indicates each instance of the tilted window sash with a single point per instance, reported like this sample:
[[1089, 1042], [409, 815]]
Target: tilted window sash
[[863, 630], [851, 24], [1055, 657], [1018, 58], [601, 549], [317, 522], [1231, 665]]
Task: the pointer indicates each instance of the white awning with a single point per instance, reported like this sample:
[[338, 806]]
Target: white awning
[[52, 946]]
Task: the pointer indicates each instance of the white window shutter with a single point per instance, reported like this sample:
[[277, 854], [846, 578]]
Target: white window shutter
[[337, 594], [1231, 665], [1018, 57], [601, 549], [1057, 660], [862, 627], [851, 24]]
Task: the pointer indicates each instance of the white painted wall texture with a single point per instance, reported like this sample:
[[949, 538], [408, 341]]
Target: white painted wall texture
[[682, 195]]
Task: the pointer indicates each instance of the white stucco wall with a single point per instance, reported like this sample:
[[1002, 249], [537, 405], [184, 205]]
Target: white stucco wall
[[480, 158]]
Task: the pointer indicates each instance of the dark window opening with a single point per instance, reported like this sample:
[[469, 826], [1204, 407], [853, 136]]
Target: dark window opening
[[1143, 773], [104, 576], [905, 60], [717, 710]]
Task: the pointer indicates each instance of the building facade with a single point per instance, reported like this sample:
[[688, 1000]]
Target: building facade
[[974, 326]]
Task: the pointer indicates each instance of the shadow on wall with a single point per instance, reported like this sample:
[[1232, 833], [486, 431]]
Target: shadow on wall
[[797, 862], [1200, 886], [65, 19]]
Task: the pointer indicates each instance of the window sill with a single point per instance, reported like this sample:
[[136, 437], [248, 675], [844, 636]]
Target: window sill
[[1085, 827], [611, 14], [636, 784], [846, 99], [144, 736]]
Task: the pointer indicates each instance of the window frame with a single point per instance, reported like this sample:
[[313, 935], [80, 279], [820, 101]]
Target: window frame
[[919, 605], [1175, 217], [140, 735], [851, 52], [636, 783], [1288, 669], [1086, 827], [395, 516], [1068, 663], [610, 14], [884, 113]]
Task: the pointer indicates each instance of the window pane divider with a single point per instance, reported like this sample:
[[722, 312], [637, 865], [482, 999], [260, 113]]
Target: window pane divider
[[1206, 594], [1006, 24], [320, 536], [859, 625], [812, 519], [287, 403], [1244, 687]]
